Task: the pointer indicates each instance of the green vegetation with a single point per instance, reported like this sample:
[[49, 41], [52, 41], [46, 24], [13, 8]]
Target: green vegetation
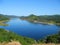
[[51, 39], [3, 19], [46, 19], [7, 36]]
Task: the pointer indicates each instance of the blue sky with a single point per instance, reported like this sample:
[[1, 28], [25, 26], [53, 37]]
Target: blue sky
[[26, 7]]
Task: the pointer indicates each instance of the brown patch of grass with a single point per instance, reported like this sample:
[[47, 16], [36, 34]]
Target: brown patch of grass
[[47, 44], [11, 43]]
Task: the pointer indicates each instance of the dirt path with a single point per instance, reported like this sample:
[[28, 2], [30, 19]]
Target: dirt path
[[11, 43], [47, 44]]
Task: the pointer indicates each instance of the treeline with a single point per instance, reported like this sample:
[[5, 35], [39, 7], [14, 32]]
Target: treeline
[[7, 36], [3, 17], [55, 19]]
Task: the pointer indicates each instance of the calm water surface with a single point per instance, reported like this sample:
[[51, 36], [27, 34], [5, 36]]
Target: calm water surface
[[28, 29]]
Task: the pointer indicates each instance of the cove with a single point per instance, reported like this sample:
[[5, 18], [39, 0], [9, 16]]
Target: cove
[[29, 29]]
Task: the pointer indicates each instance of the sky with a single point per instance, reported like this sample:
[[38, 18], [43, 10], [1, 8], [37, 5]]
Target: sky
[[27, 7]]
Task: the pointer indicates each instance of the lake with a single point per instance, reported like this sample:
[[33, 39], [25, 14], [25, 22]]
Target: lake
[[29, 29]]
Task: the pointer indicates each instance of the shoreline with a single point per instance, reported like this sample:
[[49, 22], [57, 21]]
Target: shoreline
[[2, 23], [40, 22], [43, 23], [47, 23]]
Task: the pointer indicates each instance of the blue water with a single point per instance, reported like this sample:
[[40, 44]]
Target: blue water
[[32, 30]]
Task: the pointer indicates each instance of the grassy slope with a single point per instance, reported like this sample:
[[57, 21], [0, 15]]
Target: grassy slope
[[6, 36]]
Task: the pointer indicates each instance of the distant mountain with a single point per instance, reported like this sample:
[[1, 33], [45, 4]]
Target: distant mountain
[[8, 16], [3, 17], [12, 16], [50, 19]]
